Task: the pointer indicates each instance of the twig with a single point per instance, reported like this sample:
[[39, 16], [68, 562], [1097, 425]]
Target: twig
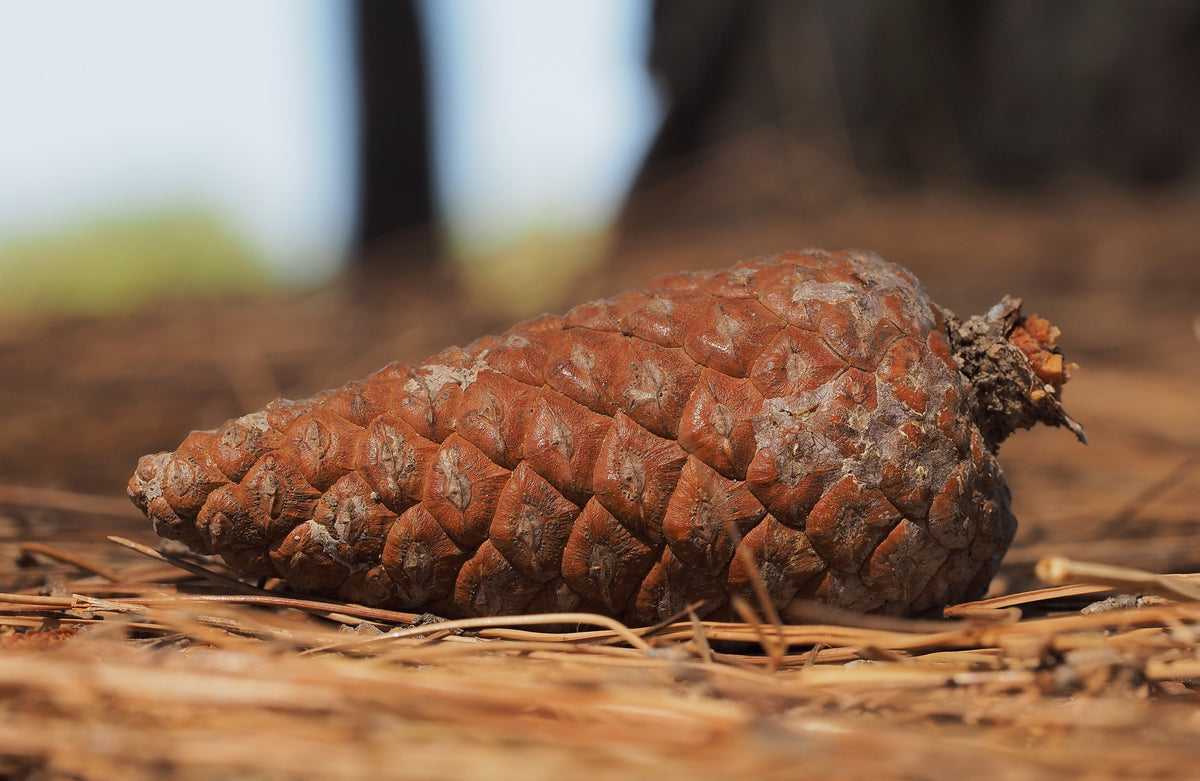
[[809, 611], [764, 600], [65, 603], [1057, 570], [66, 557], [358, 612], [975, 612], [176, 561], [535, 619], [486, 622], [967, 610], [705, 650], [775, 648], [672, 620], [341, 612]]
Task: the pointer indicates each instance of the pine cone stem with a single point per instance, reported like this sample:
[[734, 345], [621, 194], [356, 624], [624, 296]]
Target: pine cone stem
[[1015, 368]]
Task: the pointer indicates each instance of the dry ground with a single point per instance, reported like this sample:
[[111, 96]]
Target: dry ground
[[1118, 271]]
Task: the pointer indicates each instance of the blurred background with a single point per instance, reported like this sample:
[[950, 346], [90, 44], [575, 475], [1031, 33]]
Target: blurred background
[[204, 205], [274, 144], [151, 148]]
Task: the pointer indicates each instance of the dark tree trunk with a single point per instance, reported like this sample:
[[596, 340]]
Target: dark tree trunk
[[393, 161], [1007, 91]]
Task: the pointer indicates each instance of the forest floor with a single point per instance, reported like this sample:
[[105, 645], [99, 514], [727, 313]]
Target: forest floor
[[1117, 270]]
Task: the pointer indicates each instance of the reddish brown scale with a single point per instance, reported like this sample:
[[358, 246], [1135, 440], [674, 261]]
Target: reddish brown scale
[[496, 410], [603, 561], [239, 443], [420, 558], [323, 445], [229, 526], [635, 477], [489, 585], [557, 597], [394, 460], [708, 516], [809, 423], [903, 563], [728, 335], [562, 443], [192, 474], [146, 487], [716, 423], [661, 316], [360, 402], [672, 586], [794, 362], [462, 491], [274, 495], [531, 524], [784, 560]]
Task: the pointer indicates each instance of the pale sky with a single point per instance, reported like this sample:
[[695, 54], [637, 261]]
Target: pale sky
[[247, 107], [547, 108]]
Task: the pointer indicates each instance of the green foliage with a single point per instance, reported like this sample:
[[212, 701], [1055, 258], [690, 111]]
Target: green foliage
[[117, 264], [530, 272]]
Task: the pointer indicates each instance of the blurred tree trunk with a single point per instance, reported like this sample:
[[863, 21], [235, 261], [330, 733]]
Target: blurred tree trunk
[[1006, 91], [395, 202]]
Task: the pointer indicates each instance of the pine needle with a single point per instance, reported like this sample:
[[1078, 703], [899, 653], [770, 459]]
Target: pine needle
[[256, 684]]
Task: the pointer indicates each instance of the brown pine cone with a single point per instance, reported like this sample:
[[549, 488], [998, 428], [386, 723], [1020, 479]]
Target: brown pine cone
[[814, 409]]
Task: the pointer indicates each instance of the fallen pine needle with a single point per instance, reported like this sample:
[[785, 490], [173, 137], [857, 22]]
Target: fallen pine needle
[[66, 557], [257, 684], [1057, 570]]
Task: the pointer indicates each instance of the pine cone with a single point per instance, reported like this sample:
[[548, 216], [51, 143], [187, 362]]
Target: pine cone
[[814, 409]]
